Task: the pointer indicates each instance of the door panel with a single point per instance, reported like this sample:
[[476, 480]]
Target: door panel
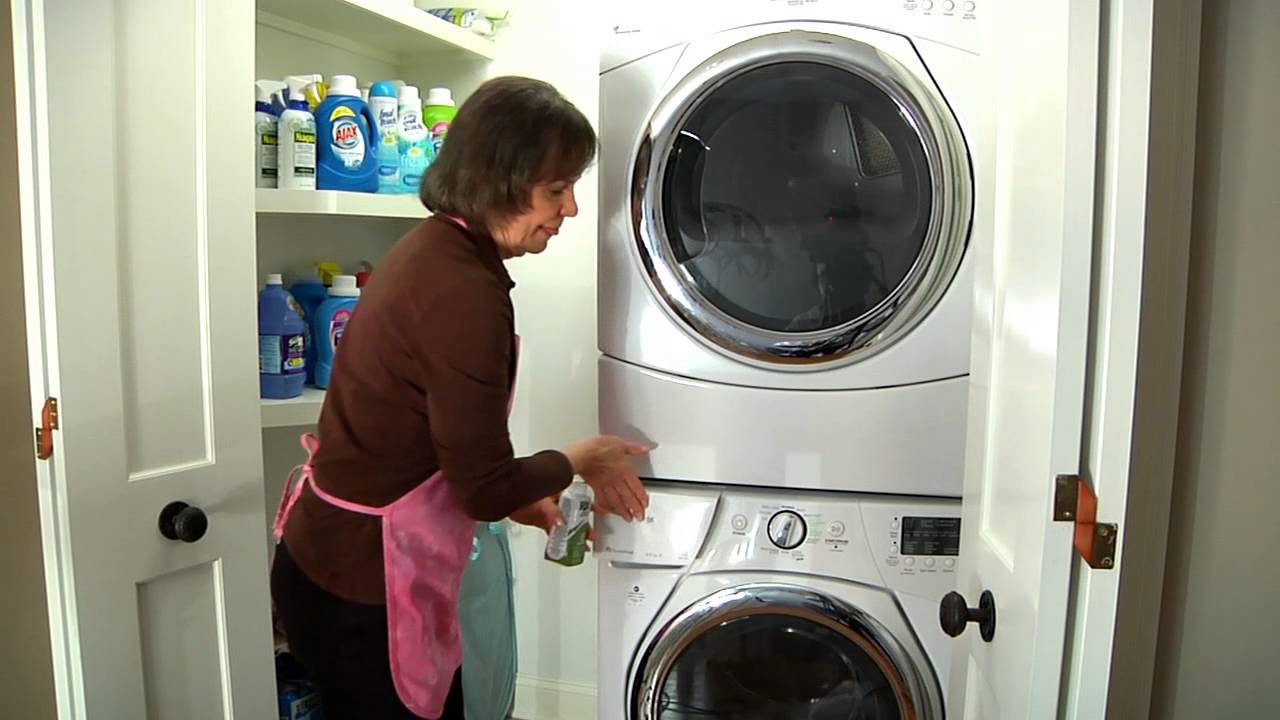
[[180, 624], [151, 352], [162, 231], [1031, 323]]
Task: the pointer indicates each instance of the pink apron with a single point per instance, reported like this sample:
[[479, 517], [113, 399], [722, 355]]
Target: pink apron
[[426, 543]]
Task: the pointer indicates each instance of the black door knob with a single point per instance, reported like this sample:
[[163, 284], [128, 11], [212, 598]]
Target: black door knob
[[180, 521], [954, 614]]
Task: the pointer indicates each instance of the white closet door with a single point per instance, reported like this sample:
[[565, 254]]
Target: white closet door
[[140, 111], [1031, 340]]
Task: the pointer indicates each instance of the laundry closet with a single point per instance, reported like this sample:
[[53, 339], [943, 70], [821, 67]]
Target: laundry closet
[[145, 244]]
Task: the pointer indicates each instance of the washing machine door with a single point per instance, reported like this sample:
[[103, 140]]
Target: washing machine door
[[802, 199], [765, 651]]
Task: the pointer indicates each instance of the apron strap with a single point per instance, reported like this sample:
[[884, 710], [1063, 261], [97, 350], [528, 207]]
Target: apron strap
[[303, 475]]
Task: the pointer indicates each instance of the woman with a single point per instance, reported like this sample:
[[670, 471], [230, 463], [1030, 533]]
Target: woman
[[414, 446]]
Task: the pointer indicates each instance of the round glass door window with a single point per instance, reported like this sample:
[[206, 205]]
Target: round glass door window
[[792, 209], [771, 667]]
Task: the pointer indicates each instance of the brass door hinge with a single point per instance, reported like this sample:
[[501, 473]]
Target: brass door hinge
[[1075, 502], [44, 431]]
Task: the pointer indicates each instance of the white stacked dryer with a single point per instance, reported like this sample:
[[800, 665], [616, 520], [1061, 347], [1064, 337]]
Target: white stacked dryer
[[788, 193]]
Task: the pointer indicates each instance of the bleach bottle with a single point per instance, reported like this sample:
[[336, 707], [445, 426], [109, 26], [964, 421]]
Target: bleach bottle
[[415, 141], [383, 104], [281, 342], [345, 131], [330, 322]]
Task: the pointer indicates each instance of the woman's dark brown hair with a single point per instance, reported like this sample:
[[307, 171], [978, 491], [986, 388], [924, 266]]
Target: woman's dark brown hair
[[511, 134]]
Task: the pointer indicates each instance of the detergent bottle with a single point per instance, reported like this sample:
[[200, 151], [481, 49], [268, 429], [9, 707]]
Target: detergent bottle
[[330, 322], [415, 141], [437, 114], [346, 133], [310, 293]]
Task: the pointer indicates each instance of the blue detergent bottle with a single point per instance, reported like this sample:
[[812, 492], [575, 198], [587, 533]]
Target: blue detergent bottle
[[346, 139], [281, 342], [310, 293], [330, 322]]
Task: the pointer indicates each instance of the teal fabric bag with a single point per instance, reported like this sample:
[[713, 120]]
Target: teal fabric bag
[[486, 613]]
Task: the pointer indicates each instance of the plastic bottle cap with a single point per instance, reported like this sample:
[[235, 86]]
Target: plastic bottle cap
[[408, 94], [275, 279], [439, 96], [344, 85], [264, 93], [382, 89], [344, 286]]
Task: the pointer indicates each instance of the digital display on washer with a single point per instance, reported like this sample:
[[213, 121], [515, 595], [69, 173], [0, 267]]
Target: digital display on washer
[[930, 536]]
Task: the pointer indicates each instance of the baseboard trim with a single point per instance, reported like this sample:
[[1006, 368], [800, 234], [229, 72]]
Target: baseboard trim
[[546, 699]]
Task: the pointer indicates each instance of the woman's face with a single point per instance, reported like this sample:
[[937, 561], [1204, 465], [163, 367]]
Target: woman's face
[[530, 231]]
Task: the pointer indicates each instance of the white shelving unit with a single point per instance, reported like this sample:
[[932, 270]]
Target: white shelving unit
[[373, 39], [392, 27], [333, 202], [302, 410]]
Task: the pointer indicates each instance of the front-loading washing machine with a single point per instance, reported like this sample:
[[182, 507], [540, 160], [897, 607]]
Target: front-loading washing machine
[[788, 194], [756, 605]]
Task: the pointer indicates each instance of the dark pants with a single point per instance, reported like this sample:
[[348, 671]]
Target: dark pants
[[343, 645]]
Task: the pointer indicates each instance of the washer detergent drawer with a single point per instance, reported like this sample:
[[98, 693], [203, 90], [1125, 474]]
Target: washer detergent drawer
[[670, 535]]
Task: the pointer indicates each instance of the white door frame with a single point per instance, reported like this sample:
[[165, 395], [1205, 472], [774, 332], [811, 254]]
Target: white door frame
[[1146, 158], [31, 115]]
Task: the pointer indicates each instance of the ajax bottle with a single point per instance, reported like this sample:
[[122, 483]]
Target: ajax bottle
[[345, 128]]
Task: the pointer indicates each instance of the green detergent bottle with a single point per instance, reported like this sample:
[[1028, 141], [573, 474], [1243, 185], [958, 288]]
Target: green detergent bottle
[[437, 114]]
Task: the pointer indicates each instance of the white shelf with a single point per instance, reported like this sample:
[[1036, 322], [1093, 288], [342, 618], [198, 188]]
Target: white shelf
[[333, 202], [302, 410], [390, 27]]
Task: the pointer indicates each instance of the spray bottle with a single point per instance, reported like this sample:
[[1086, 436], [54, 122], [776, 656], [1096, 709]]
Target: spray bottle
[[297, 140], [266, 139]]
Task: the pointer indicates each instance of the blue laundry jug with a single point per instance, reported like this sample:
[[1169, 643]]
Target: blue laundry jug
[[346, 140]]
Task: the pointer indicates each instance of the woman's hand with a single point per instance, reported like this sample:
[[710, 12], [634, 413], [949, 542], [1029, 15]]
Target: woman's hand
[[544, 513], [603, 462]]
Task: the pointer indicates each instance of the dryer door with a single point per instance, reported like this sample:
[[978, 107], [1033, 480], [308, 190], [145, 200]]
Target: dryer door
[[766, 651], [802, 199]]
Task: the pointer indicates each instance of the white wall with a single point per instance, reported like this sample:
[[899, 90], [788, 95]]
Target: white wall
[[555, 299], [1219, 650]]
